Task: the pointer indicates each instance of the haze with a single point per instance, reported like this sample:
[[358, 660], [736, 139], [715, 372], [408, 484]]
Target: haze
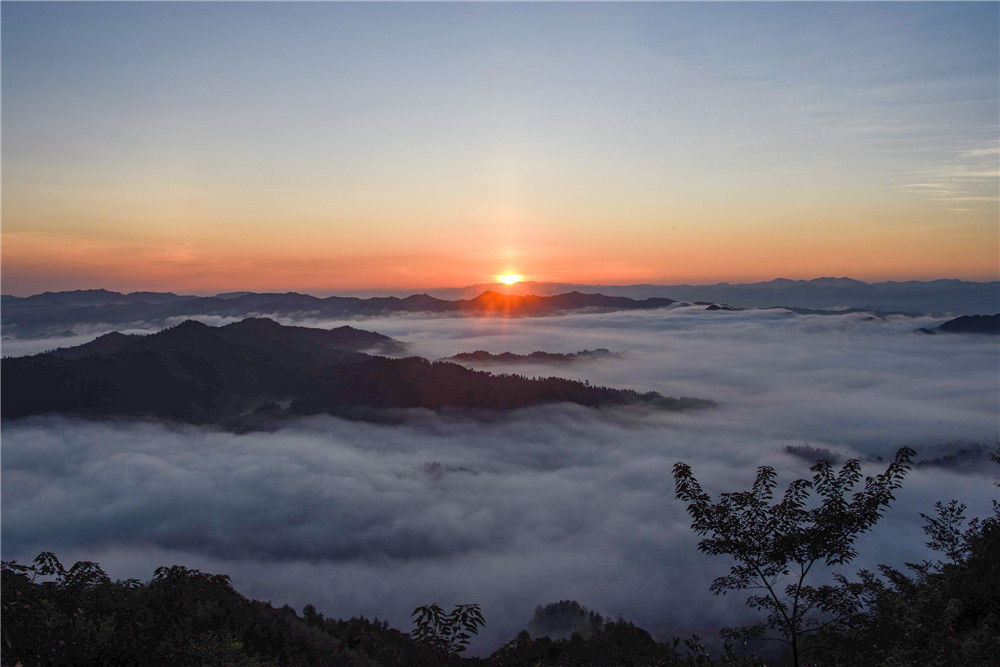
[[542, 504]]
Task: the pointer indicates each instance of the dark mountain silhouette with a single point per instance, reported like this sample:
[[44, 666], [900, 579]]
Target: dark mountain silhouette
[[95, 297], [981, 324], [967, 324], [484, 357], [938, 297], [249, 373], [262, 335], [51, 312], [497, 303]]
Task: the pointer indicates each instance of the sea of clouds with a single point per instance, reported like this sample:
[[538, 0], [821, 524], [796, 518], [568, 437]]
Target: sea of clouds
[[543, 504]]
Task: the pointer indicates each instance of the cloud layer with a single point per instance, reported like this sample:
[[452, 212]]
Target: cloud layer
[[543, 504]]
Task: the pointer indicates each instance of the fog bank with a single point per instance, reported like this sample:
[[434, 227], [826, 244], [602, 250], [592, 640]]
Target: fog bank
[[549, 503]]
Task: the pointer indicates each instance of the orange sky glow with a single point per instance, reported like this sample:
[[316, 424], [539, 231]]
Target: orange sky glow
[[145, 149], [36, 262]]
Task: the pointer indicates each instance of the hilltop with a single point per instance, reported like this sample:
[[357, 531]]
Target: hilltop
[[250, 373]]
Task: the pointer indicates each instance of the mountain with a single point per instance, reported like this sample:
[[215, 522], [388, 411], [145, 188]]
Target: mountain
[[490, 302], [252, 372], [55, 313], [259, 335], [975, 324], [484, 357], [96, 297], [936, 297], [52, 313]]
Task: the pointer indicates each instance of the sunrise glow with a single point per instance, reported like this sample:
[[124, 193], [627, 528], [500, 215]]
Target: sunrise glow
[[142, 151], [757, 238]]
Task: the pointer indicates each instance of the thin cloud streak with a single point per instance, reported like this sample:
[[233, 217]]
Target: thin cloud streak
[[969, 175]]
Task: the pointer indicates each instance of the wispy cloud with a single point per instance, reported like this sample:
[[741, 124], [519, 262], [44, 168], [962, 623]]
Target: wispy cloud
[[967, 176]]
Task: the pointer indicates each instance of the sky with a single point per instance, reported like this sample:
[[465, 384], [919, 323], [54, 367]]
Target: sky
[[324, 146]]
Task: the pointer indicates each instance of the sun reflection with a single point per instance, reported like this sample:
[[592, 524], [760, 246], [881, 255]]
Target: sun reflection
[[510, 278]]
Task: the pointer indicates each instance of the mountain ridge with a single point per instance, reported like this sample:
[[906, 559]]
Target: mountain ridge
[[46, 313], [941, 296], [968, 324], [252, 373], [52, 313]]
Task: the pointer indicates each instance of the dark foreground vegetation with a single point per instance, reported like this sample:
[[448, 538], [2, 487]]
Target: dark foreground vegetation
[[79, 616], [943, 612], [252, 373]]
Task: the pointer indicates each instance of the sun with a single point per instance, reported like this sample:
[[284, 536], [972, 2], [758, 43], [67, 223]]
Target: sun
[[510, 278]]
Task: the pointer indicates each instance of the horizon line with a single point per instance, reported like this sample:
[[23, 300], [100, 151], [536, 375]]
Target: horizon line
[[487, 286]]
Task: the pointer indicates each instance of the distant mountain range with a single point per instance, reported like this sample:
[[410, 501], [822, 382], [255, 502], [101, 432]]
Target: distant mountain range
[[252, 373], [935, 297], [58, 313], [51, 313]]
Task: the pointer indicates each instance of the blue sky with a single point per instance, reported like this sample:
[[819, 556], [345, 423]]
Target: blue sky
[[415, 143]]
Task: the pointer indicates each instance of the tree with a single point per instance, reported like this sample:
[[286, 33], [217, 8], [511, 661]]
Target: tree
[[943, 612], [934, 612], [559, 620], [56, 615], [771, 542], [447, 633]]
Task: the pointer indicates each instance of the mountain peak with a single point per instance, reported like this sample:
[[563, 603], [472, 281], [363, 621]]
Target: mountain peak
[[255, 323], [835, 282], [188, 325]]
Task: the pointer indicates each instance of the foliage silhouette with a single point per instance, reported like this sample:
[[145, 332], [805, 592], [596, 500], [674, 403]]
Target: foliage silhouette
[[79, 616], [945, 612], [448, 633], [608, 643], [561, 619], [773, 541]]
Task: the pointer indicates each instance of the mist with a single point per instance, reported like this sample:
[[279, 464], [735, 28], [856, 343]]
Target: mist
[[541, 504]]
